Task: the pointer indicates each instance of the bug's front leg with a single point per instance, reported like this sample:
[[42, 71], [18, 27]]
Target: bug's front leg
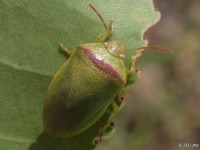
[[64, 50], [106, 36]]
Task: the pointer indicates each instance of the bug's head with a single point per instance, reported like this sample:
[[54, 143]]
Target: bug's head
[[115, 48]]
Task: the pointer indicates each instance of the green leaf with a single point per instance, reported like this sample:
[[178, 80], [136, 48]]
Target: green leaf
[[30, 32]]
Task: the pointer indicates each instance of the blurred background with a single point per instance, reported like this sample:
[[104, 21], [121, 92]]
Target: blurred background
[[162, 109]]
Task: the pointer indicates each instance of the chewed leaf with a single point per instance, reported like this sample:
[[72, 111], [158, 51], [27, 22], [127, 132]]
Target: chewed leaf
[[29, 37]]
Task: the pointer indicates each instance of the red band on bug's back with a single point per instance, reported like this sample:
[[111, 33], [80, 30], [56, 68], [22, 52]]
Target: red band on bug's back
[[101, 64]]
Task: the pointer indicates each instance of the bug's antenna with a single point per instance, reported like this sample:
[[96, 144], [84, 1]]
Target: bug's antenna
[[154, 48], [100, 17]]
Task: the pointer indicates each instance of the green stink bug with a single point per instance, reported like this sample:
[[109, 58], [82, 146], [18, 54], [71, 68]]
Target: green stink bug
[[88, 83]]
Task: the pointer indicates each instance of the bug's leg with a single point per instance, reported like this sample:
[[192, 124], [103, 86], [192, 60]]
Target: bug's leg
[[133, 74], [64, 50], [106, 36], [107, 133], [134, 59], [107, 127], [101, 37], [132, 77]]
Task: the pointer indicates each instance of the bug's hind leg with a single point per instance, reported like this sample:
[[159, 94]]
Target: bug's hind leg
[[107, 126]]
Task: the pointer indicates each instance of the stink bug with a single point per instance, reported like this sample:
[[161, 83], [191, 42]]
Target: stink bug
[[91, 80]]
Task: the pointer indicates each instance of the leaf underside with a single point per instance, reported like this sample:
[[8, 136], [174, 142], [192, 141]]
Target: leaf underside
[[29, 36]]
